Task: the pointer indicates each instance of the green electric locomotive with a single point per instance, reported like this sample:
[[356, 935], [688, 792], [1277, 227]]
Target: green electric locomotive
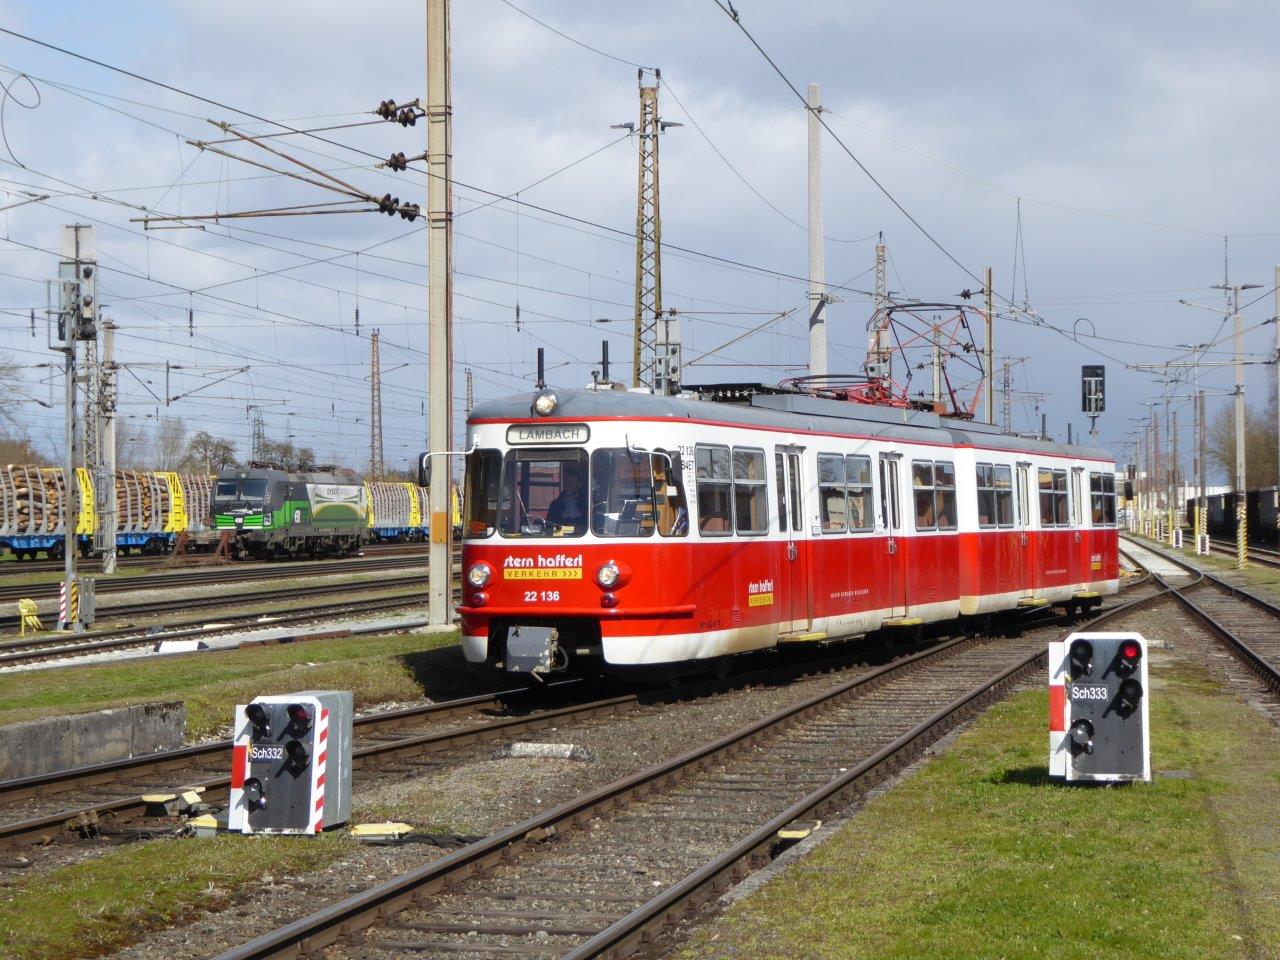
[[279, 515]]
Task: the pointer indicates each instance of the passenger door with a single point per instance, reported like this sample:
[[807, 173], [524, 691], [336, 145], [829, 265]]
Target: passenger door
[[795, 588], [1081, 541], [895, 559]]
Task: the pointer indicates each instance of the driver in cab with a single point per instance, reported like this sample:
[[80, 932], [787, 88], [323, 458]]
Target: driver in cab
[[569, 508]]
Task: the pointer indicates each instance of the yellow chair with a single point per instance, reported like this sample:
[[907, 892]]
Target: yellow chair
[[30, 617]]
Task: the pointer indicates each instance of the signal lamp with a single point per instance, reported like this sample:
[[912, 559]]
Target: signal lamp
[[295, 756], [479, 599], [1129, 696], [1081, 656], [478, 574], [257, 715], [1128, 657], [299, 718], [254, 798], [1081, 734], [609, 600]]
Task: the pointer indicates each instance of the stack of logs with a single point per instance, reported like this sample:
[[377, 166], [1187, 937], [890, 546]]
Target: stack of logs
[[33, 498]]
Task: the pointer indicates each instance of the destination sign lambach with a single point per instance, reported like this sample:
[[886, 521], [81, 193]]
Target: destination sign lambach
[[524, 434]]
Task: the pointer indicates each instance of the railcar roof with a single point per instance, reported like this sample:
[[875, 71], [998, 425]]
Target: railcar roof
[[270, 473], [784, 412]]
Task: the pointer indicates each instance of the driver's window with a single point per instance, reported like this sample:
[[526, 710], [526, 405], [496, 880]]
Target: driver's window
[[544, 493]]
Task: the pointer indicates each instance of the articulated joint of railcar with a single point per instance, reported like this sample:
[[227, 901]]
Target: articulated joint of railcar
[[542, 647]]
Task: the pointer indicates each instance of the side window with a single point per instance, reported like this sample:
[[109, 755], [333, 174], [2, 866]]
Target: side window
[[985, 476], [945, 494], [995, 495], [750, 490], [922, 490], [1003, 480], [1102, 499], [934, 487], [715, 516], [668, 489], [861, 506], [1053, 498], [780, 478], [832, 500]]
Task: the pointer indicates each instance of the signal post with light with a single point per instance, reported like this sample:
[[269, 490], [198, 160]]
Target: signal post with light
[[291, 763], [1098, 727]]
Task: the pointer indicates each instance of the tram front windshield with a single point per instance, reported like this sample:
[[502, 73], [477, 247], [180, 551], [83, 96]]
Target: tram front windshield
[[566, 493]]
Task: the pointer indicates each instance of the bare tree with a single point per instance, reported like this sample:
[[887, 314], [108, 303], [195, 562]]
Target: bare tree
[[170, 445], [1259, 449], [209, 454]]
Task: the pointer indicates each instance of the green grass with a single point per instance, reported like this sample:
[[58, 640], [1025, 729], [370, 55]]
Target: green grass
[[93, 908], [375, 668], [981, 856]]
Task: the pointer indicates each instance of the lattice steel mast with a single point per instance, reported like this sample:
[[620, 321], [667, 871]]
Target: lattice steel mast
[[656, 349]]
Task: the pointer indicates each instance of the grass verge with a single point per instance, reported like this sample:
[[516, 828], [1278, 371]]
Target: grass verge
[[980, 855], [92, 908], [376, 669]]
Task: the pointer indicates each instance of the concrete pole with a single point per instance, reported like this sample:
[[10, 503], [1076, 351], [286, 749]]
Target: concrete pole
[[1237, 328], [1277, 323], [988, 351], [107, 521], [1175, 501], [1201, 501], [817, 266], [1157, 468], [440, 306]]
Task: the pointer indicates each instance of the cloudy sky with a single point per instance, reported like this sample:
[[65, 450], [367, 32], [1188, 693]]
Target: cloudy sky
[[1137, 136]]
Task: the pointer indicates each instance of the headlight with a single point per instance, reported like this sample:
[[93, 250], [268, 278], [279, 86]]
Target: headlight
[[608, 574], [478, 574], [545, 404]]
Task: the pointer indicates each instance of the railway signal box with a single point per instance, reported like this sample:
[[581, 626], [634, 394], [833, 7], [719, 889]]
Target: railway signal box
[[291, 763], [1098, 727]]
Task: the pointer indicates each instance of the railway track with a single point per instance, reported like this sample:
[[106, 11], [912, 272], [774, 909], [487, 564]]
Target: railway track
[[1260, 555], [115, 790], [220, 575], [70, 646], [1248, 624], [144, 608], [94, 564], [600, 873]]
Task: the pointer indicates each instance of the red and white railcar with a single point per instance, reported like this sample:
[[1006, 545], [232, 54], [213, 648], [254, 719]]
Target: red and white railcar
[[605, 525]]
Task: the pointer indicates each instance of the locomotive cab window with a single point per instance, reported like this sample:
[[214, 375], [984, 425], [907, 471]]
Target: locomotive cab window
[[1054, 509], [226, 490], [995, 495], [544, 493], [934, 488], [1102, 497], [484, 476], [715, 512], [253, 489]]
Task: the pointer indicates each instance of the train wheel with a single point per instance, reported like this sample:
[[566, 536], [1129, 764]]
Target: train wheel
[[57, 551]]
